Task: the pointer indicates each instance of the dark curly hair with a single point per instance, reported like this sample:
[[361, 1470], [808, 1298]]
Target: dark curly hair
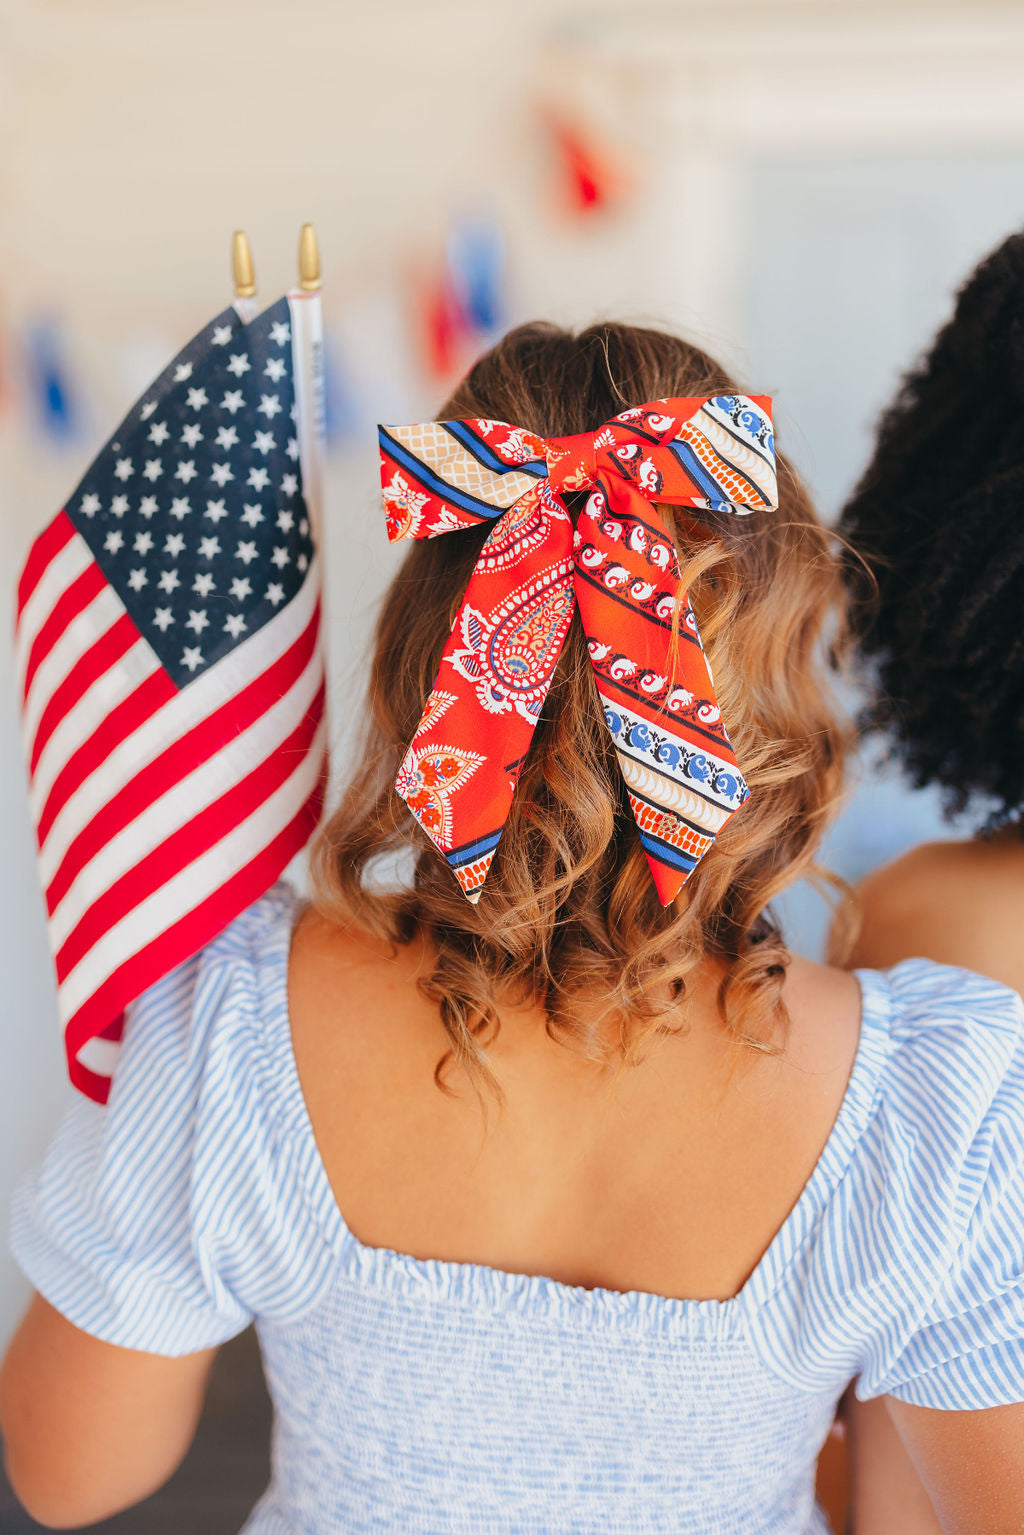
[[936, 557]]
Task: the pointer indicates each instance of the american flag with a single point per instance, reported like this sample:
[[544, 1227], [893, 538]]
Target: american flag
[[172, 676]]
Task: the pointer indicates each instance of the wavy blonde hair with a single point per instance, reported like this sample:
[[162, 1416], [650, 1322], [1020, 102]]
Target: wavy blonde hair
[[568, 914]]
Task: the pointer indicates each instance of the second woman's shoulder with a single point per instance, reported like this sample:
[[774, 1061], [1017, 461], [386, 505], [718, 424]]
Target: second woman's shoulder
[[959, 903]]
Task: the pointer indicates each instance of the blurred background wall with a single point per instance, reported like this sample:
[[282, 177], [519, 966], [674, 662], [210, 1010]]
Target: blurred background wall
[[798, 184]]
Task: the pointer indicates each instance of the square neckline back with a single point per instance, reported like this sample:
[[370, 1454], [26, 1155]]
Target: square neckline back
[[478, 1284]]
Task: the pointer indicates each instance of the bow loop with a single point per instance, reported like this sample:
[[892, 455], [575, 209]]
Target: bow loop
[[441, 475], [717, 454], [619, 567]]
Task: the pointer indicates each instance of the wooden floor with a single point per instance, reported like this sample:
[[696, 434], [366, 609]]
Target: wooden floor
[[228, 1465]]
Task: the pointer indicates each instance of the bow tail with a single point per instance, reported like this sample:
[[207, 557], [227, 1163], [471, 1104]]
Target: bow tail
[[659, 702], [460, 772]]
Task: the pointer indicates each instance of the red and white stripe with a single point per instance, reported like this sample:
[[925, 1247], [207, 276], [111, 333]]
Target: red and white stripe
[[160, 814]]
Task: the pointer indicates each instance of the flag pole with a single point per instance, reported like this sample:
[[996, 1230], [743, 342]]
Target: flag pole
[[244, 276], [308, 356], [308, 369]]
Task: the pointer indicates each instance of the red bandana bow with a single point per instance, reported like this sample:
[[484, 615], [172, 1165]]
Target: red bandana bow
[[460, 772]]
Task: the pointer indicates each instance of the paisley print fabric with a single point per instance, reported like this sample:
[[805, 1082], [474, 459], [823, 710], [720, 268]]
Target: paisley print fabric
[[618, 567]]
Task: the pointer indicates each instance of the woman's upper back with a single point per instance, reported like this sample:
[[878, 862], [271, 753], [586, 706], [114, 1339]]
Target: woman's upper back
[[410, 1386], [670, 1176]]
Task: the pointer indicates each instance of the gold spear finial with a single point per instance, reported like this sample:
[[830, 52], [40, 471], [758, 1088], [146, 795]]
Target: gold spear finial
[[241, 266], [309, 260]]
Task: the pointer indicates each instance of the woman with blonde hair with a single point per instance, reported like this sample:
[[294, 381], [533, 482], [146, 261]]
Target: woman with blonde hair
[[578, 1204]]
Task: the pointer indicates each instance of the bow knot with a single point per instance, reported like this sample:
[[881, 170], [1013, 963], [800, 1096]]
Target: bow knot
[[572, 462], [618, 567]]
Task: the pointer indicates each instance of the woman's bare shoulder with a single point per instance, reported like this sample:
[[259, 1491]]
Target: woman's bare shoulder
[[329, 962], [824, 1006], [319, 943], [959, 903], [354, 1001]]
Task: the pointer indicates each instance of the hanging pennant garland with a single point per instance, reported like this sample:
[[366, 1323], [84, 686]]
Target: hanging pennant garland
[[591, 177], [460, 306], [442, 326], [476, 259], [49, 381]]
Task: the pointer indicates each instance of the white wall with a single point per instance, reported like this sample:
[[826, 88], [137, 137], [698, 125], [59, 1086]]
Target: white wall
[[768, 142]]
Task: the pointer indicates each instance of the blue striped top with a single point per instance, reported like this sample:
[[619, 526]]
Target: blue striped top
[[426, 1396]]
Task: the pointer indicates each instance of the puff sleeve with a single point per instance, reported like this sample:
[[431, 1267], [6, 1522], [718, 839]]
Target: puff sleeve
[[169, 1219], [965, 1349]]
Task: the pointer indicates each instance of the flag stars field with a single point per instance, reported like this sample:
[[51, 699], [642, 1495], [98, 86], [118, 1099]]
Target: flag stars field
[[219, 419]]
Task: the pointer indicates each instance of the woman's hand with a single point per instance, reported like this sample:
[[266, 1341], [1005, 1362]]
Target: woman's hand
[[90, 1429]]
